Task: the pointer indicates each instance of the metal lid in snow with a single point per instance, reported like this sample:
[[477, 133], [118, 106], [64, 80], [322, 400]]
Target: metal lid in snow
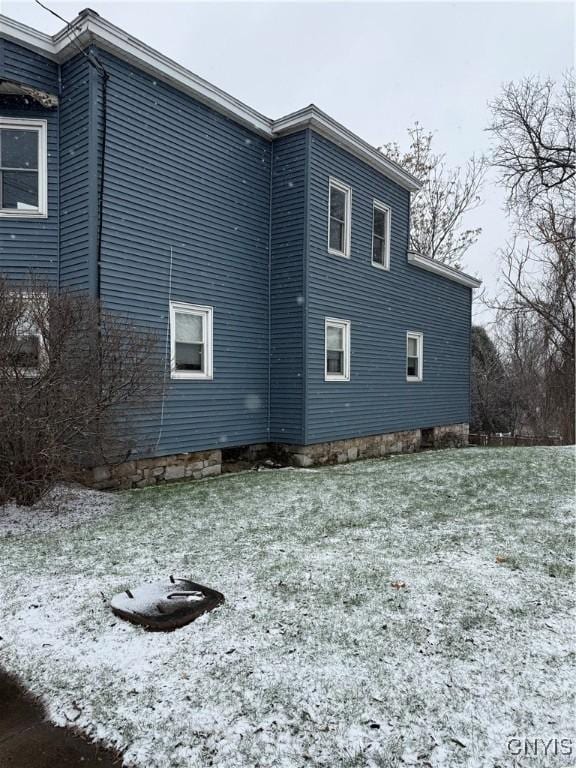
[[165, 605]]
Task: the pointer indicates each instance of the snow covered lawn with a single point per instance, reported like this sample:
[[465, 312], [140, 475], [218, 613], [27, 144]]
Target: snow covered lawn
[[316, 658]]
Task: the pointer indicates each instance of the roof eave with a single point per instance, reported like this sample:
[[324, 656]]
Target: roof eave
[[24, 35], [438, 268], [88, 27], [312, 117], [92, 28]]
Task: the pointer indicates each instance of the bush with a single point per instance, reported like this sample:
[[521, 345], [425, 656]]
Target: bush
[[71, 377]]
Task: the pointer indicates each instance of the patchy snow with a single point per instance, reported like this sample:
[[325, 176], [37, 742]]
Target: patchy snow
[[316, 658], [65, 506]]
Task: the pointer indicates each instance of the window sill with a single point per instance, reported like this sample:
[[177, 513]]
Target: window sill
[[23, 215], [414, 379], [336, 378], [338, 253], [383, 267], [177, 376]]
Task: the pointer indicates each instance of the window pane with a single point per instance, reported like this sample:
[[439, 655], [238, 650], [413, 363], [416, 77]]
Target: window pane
[[20, 190], [336, 235], [379, 223], [335, 362], [189, 357], [334, 338], [19, 148], [189, 328], [378, 250], [27, 353], [412, 347], [412, 366], [337, 204]]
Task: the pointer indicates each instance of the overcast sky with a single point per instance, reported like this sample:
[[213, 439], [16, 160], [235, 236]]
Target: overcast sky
[[376, 67]]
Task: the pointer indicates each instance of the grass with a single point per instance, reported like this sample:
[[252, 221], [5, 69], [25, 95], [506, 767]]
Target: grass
[[315, 658]]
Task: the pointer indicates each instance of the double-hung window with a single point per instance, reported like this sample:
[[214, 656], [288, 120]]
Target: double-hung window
[[23, 168], [414, 356], [380, 235], [190, 341], [337, 350], [27, 351], [340, 204]]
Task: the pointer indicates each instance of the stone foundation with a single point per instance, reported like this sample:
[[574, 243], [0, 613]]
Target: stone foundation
[[451, 436], [140, 473], [373, 446], [343, 451]]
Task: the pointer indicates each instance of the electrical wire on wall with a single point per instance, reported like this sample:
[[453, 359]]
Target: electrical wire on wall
[[166, 352], [97, 65]]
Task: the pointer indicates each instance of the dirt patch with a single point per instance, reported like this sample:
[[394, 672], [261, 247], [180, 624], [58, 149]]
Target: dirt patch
[[27, 740]]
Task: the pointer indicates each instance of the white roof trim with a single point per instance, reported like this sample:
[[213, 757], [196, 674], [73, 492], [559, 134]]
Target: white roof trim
[[319, 121], [89, 27], [27, 36], [424, 262]]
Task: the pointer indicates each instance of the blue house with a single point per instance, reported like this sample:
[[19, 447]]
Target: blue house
[[273, 255]]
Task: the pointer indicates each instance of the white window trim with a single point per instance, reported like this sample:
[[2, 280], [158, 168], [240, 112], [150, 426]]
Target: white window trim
[[378, 206], [345, 325], [207, 314], [34, 373], [420, 342], [41, 126], [32, 330], [347, 217]]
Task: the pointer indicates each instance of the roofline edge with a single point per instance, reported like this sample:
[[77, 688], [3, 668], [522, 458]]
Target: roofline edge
[[431, 265], [88, 27]]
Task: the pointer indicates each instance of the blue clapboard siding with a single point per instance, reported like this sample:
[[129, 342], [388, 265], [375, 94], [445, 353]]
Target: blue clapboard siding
[[201, 210], [31, 245], [75, 181], [382, 307], [180, 176], [21, 65], [287, 289]]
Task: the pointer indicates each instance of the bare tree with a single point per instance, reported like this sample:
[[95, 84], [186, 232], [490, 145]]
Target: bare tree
[[438, 210], [72, 377], [534, 129], [533, 123]]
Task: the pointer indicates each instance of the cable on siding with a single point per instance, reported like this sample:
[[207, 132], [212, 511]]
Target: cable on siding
[[166, 353], [96, 64], [270, 209]]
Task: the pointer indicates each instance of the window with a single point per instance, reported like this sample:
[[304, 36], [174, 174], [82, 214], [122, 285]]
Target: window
[[339, 218], [381, 235], [26, 355], [27, 351], [337, 343], [23, 168], [190, 341], [414, 344]]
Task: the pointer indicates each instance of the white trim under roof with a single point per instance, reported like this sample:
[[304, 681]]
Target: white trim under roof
[[424, 262], [312, 117], [88, 27]]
